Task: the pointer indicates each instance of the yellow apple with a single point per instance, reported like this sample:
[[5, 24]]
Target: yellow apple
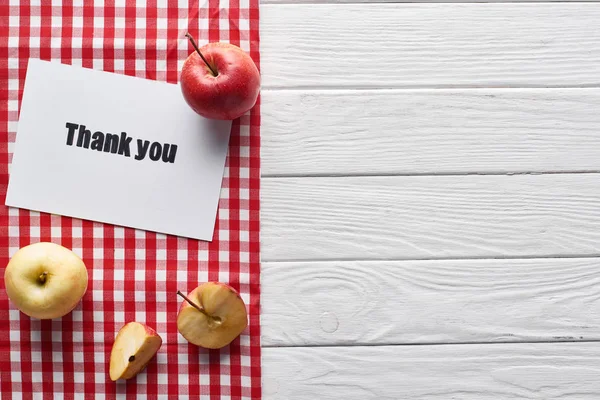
[[212, 315], [134, 347], [45, 280]]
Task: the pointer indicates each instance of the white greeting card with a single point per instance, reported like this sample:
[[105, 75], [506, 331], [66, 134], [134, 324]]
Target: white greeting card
[[116, 149]]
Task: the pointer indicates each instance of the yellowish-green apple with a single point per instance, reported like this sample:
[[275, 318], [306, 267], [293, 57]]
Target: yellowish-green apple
[[212, 315], [45, 280], [134, 347]]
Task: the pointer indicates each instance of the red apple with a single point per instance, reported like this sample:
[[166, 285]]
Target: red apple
[[219, 81]]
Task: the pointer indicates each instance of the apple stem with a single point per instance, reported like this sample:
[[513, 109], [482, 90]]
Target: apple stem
[[196, 306], [200, 54], [42, 277]]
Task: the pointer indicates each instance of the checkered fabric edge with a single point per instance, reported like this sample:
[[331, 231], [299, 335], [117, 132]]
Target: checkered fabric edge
[[133, 274]]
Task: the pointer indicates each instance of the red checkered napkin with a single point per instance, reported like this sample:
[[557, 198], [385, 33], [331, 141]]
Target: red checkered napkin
[[134, 275]]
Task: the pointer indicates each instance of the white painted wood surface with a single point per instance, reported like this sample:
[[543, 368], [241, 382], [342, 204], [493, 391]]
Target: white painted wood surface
[[430, 217], [341, 132], [459, 301], [565, 371], [430, 200], [430, 45]]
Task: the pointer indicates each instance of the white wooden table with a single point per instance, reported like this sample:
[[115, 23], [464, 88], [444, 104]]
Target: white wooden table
[[430, 200]]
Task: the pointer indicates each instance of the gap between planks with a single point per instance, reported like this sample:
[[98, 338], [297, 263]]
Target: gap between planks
[[466, 343], [354, 259], [361, 88], [426, 89], [445, 174], [365, 2]]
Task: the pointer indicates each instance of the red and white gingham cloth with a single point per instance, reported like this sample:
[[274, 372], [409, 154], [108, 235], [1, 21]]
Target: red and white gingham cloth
[[133, 275]]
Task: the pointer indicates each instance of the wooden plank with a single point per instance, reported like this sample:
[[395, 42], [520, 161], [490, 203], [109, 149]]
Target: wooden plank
[[430, 131], [430, 217], [477, 372], [424, 302], [430, 45]]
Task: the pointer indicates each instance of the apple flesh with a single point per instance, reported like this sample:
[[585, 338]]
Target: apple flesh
[[224, 87], [134, 347], [212, 316], [45, 280]]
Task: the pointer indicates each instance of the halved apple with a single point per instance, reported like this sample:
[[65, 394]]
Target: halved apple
[[212, 315], [134, 347]]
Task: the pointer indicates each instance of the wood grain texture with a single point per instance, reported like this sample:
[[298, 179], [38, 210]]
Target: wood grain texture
[[430, 217], [424, 302], [566, 371], [430, 131], [430, 45]]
